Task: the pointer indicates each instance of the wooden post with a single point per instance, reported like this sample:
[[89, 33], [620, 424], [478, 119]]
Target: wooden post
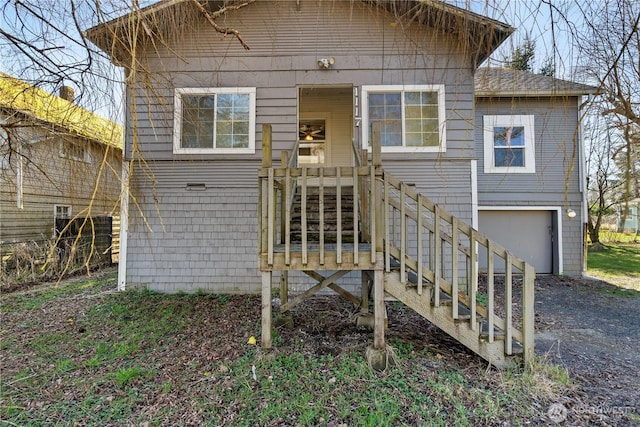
[[266, 309], [437, 255], [364, 200], [376, 147], [473, 285], [528, 304], [284, 288], [378, 310], [356, 226], [365, 277], [266, 146], [454, 267], [508, 307], [419, 242], [338, 216], [287, 217], [321, 213], [283, 198], [490, 293], [271, 217]]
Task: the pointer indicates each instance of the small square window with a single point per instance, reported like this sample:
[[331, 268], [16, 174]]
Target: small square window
[[509, 144]]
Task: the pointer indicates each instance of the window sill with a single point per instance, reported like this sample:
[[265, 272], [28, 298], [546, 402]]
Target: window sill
[[509, 170], [214, 151]]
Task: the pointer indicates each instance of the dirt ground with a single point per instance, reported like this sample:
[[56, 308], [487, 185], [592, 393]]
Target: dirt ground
[[587, 326], [593, 329]]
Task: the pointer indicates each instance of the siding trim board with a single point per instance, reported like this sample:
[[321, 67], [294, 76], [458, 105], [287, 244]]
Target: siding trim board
[[558, 236], [474, 193], [124, 226]]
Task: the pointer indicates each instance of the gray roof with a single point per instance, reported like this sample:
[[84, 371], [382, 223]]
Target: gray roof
[[502, 82]]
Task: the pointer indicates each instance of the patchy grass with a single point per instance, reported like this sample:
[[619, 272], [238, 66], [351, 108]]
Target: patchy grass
[[83, 354], [616, 263], [607, 236]]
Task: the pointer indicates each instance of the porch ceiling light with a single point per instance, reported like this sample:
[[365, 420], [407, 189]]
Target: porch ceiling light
[[571, 213]]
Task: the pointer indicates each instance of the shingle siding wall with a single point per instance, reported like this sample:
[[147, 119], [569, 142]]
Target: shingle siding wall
[[201, 240]]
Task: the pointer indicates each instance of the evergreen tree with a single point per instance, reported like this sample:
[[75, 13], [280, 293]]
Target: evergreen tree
[[522, 56], [548, 68]]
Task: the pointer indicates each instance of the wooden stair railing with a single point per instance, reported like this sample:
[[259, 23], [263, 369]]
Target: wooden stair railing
[[315, 223], [429, 247]]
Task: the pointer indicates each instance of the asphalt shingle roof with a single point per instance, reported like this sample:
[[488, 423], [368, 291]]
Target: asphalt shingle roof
[[507, 82]]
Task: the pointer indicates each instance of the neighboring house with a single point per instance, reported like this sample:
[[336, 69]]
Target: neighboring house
[[321, 82], [58, 161], [632, 220]]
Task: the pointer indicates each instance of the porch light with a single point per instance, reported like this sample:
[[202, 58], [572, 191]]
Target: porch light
[[326, 62], [571, 213], [308, 138]]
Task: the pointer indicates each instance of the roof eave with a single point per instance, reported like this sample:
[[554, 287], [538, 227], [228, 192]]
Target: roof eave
[[534, 93]]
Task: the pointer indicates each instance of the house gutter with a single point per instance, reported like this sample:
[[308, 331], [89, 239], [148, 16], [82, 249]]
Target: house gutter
[[584, 214]]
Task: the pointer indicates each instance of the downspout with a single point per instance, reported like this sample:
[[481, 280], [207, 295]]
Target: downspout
[[584, 212]]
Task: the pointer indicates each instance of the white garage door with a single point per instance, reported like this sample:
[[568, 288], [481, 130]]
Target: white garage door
[[526, 234]]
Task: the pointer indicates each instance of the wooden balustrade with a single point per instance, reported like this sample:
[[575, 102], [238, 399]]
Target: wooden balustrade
[[345, 248], [393, 228], [435, 247]]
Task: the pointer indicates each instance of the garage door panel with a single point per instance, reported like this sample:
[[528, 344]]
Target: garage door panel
[[526, 234]]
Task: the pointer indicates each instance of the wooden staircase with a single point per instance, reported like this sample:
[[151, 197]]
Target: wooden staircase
[[476, 339], [341, 219], [421, 237], [333, 212]]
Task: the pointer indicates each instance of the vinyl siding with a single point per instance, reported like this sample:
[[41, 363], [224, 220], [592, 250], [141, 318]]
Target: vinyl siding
[[369, 47], [556, 153], [556, 182]]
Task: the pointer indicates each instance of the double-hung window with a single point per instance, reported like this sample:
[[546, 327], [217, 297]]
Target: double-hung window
[[509, 144], [214, 120], [411, 118]]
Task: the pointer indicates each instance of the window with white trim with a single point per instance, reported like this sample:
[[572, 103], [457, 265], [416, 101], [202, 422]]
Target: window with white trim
[[214, 120], [60, 212], [411, 117], [509, 144]]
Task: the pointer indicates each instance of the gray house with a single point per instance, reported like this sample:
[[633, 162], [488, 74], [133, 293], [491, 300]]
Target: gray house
[[348, 137]]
